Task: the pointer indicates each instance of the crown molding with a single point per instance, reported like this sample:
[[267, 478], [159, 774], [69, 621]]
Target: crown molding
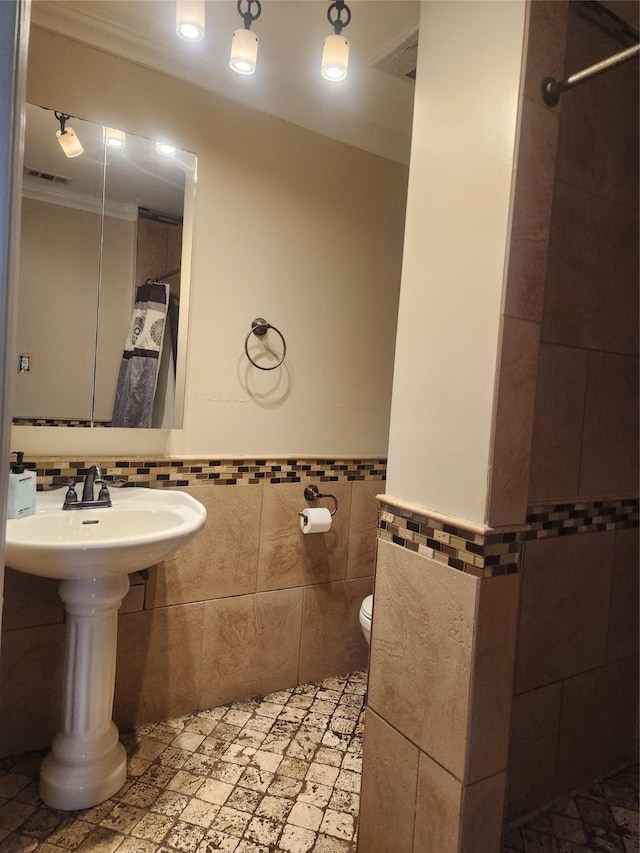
[[67, 198]]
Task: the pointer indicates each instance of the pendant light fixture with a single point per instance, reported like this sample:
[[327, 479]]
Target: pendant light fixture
[[67, 138], [335, 51], [190, 19], [244, 44], [115, 138]]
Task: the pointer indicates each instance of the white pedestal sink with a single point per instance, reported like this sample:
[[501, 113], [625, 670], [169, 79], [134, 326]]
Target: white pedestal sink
[[92, 551]]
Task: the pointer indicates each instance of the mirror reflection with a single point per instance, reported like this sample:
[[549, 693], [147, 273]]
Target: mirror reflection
[[104, 277]]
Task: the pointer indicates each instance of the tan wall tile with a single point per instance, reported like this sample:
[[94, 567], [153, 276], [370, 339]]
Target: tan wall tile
[[31, 676], [511, 447], [546, 44], [492, 679], [482, 815], [133, 600], [532, 210], [557, 423], [438, 809], [388, 795], [223, 559], [363, 528], [158, 664], [599, 723], [290, 558], [30, 601], [332, 642], [609, 463], [594, 242], [535, 726], [421, 648], [251, 646], [564, 610], [622, 640]]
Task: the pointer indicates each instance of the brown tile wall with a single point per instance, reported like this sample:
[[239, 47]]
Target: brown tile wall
[[585, 435], [574, 713], [575, 710], [249, 606]]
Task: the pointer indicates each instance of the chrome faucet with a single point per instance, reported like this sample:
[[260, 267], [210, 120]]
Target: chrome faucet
[[88, 501]]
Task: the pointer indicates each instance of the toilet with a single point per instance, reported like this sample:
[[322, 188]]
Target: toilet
[[366, 609]]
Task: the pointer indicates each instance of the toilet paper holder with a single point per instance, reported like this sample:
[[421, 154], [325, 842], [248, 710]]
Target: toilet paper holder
[[312, 493]]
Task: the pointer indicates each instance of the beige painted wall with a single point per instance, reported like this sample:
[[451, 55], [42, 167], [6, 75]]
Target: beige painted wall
[[289, 225], [458, 209], [57, 309]]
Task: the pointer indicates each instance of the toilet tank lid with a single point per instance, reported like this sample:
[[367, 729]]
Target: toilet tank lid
[[367, 606]]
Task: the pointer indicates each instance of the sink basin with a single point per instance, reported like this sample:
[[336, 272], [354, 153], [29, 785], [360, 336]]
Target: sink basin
[[92, 552], [143, 527]]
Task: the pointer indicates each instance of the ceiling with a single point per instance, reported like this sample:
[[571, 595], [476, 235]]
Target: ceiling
[[371, 109]]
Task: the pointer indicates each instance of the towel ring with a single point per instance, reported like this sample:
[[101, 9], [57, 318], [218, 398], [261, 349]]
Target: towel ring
[[260, 327], [311, 494]]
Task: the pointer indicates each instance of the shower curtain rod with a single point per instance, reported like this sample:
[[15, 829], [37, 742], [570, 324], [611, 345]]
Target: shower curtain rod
[[552, 89], [162, 277]]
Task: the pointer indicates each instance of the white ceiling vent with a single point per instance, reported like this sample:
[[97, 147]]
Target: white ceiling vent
[[402, 59], [50, 177]]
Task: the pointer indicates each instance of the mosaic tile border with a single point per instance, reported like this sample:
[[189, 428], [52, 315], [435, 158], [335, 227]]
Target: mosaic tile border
[[169, 473], [466, 550], [565, 519], [497, 552], [59, 422]]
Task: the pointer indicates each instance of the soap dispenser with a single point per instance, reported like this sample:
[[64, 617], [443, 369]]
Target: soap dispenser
[[21, 496]]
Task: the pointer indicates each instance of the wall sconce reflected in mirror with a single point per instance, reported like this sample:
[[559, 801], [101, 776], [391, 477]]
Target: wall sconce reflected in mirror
[[165, 150], [190, 19], [335, 50], [115, 138], [67, 138], [244, 43]]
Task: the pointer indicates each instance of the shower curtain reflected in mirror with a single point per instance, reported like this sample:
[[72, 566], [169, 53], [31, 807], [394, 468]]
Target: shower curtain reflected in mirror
[[142, 358]]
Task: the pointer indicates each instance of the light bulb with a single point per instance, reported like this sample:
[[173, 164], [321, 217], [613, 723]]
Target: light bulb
[[166, 150], [115, 138], [244, 52], [69, 142], [190, 19], [335, 58]]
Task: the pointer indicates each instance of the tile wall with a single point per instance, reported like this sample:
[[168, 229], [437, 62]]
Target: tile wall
[[250, 606], [436, 736], [575, 707]]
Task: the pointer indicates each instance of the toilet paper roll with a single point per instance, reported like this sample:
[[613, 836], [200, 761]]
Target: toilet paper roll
[[316, 520]]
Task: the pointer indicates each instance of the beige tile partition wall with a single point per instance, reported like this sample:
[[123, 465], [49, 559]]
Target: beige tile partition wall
[[442, 649], [249, 606], [562, 515]]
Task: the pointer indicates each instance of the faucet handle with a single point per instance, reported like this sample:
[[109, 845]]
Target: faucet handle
[[103, 494], [71, 495]]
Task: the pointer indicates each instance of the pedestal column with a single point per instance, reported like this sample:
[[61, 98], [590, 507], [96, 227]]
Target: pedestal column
[[87, 763]]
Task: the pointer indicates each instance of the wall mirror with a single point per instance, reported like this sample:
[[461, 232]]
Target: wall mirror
[[104, 278]]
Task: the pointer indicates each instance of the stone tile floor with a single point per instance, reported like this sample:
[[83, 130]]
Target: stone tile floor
[[277, 774], [602, 818]]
